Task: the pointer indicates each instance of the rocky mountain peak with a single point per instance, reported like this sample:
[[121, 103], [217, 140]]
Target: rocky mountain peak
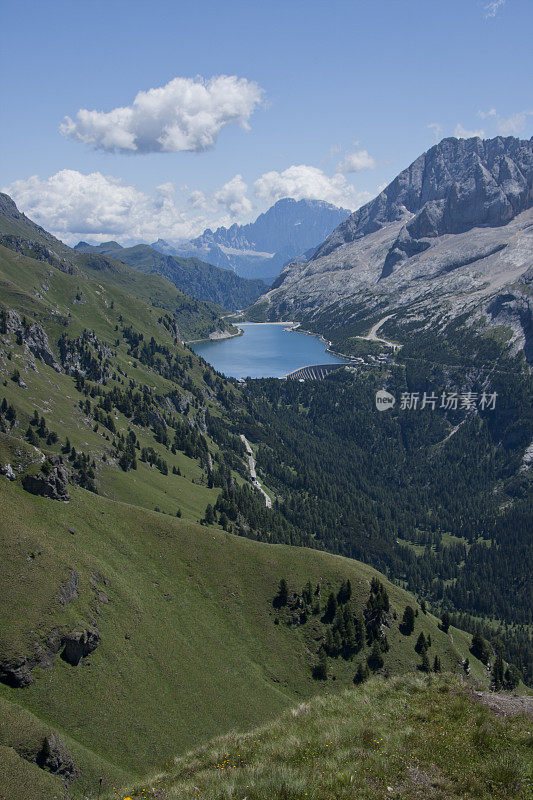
[[457, 185]]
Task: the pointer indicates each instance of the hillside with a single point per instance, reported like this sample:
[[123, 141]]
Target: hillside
[[288, 230], [186, 640], [71, 269], [408, 739], [192, 276]]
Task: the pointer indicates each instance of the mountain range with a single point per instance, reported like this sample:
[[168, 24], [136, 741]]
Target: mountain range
[[451, 235], [288, 230]]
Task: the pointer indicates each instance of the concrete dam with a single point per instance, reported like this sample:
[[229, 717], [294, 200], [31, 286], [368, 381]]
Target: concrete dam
[[314, 372]]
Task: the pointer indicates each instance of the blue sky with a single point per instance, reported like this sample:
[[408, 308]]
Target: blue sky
[[337, 97]]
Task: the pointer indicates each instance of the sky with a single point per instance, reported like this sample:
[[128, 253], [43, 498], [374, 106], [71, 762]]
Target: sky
[[138, 120]]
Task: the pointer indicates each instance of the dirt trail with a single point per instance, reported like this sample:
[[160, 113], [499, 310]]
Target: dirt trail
[[253, 474]]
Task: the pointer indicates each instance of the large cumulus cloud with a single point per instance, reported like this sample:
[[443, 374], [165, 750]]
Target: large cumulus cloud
[[185, 114]]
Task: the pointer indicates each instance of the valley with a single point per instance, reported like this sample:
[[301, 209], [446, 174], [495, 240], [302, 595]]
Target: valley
[[193, 546]]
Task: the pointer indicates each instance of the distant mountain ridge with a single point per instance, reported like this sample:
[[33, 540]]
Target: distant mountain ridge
[[452, 234], [192, 276], [288, 230]]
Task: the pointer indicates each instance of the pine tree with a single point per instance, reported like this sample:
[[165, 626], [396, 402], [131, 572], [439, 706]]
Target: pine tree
[[424, 664], [320, 670], [408, 621], [445, 622], [331, 608], [497, 673], [512, 677], [375, 659], [480, 648], [282, 596], [436, 664], [344, 593], [421, 643], [361, 674]]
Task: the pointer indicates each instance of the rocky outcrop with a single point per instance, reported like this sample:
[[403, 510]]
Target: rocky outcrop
[[69, 591], [73, 647], [457, 185], [34, 339], [80, 644], [17, 670], [53, 485], [55, 758], [7, 470], [36, 250]]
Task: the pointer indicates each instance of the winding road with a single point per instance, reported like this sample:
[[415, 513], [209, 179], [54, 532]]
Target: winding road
[[253, 474], [372, 335]]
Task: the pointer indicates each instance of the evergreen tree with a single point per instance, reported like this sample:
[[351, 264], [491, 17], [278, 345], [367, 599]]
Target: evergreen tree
[[344, 593], [209, 515], [436, 664], [445, 622], [361, 674], [480, 648], [408, 621], [375, 659], [320, 670], [512, 677], [424, 664], [421, 643], [282, 597], [331, 608], [497, 673]]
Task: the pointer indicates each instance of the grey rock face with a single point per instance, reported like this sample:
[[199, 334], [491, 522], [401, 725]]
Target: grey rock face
[[457, 185], [34, 338], [69, 591], [53, 486]]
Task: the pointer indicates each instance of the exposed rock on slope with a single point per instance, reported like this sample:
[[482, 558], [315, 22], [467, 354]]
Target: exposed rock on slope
[[453, 232]]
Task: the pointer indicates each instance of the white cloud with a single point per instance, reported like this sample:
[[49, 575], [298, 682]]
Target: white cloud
[[75, 206], [436, 127], [356, 161], [508, 126], [463, 133], [305, 182], [185, 114], [230, 199], [96, 207], [491, 9]]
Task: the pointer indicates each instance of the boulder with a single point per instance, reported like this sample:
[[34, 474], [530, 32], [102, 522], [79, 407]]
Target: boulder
[[7, 470], [80, 644]]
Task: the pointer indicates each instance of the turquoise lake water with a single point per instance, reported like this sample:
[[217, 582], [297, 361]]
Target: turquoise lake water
[[264, 351]]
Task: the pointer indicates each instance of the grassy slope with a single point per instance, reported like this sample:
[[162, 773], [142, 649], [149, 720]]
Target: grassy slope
[[195, 277], [189, 646], [406, 739], [54, 394]]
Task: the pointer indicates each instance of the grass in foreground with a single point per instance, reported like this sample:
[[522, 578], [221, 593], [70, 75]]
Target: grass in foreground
[[409, 738]]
